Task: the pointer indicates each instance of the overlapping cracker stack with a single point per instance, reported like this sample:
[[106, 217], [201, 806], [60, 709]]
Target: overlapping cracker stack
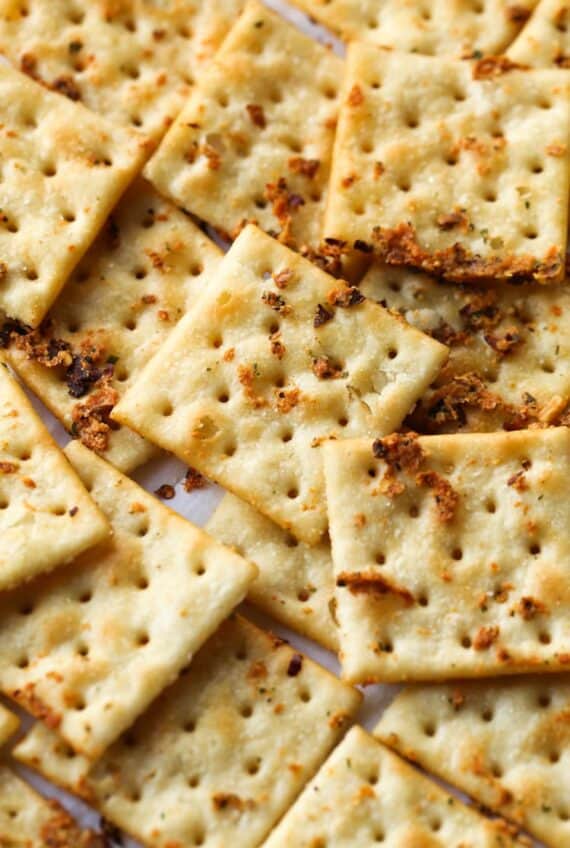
[[334, 283]]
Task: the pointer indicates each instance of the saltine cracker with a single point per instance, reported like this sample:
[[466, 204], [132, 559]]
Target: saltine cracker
[[450, 554], [365, 794], [133, 61], [46, 515], [145, 270], [63, 170], [295, 583], [87, 649], [254, 141], [275, 357], [506, 744], [441, 27], [493, 139], [222, 754]]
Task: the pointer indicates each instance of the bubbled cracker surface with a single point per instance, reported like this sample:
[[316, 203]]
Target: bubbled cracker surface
[[264, 111], [134, 61], [46, 515], [295, 582], [506, 745], [222, 754], [63, 170], [482, 593], [363, 794], [88, 649], [235, 391], [497, 149], [545, 40], [146, 269], [513, 339], [439, 27]]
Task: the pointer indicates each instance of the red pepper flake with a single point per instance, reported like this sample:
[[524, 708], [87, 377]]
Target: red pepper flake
[[295, 665], [8, 467], [345, 298], [257, 115], [276, 302], [283, 278], [485, 637], [325, 369]]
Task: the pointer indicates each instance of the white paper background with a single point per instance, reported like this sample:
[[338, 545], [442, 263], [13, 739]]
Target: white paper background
[[197, 507]]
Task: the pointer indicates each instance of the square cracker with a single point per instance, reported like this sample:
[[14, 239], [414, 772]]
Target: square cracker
[[508, 349], [506, 744], [88, 649], [254, 141], [247, 387], [295, 583], [493, 140], [222, 754], [545, 40], [46, 514], [63, 169], [456, 565], [133, 61], [28, 819], [364, 794], [439, 27], [9, 723], [146, 269]]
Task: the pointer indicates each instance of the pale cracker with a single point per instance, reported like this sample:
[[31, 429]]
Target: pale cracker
[[365, 794], [495, 144], [88, 649], [508, 349], [254, 141], [545, 40], [63, 169], [133, 61], [246, 387], [462, 572], [430, 27], [146, 269], [295, 583], [46, 515], [9, 723], [506, 744], [221, 755], [28, 820]]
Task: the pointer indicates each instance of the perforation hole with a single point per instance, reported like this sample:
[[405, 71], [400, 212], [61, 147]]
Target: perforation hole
[[380, 558], [530, 234], [496, 770], [457, 554], [451, 160], [196, 270], [544, 701], [216, 341], [490, 197], [68, 217], [487, 714], [379, 836], [563, 814], [49, 170], [252, 766], [392, 353], [27, 608], [142, 639], [143, 530], [291, 542], [435, 825], [230, 450], [423, 600], [413, 511], [139, 273], [223, 397], [200, 570], [465, 642], [86, 597], [31, 274], [142, 583], [293, 493], [189, 726], [544, 638], [404, 185], [193, 781], [343, 421], [367, 147], [82, 650], [491, 507], [372, 472], [534, 549], [536, 168], [23, 662], [330, 92], [304, 696], [167, 410], [373, 778], [136, 121], [4, 503], [429, 729], [286, 437], [246, 711], [554, 757]]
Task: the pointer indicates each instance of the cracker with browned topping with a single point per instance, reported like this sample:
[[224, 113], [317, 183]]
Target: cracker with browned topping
[[460, 169]]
